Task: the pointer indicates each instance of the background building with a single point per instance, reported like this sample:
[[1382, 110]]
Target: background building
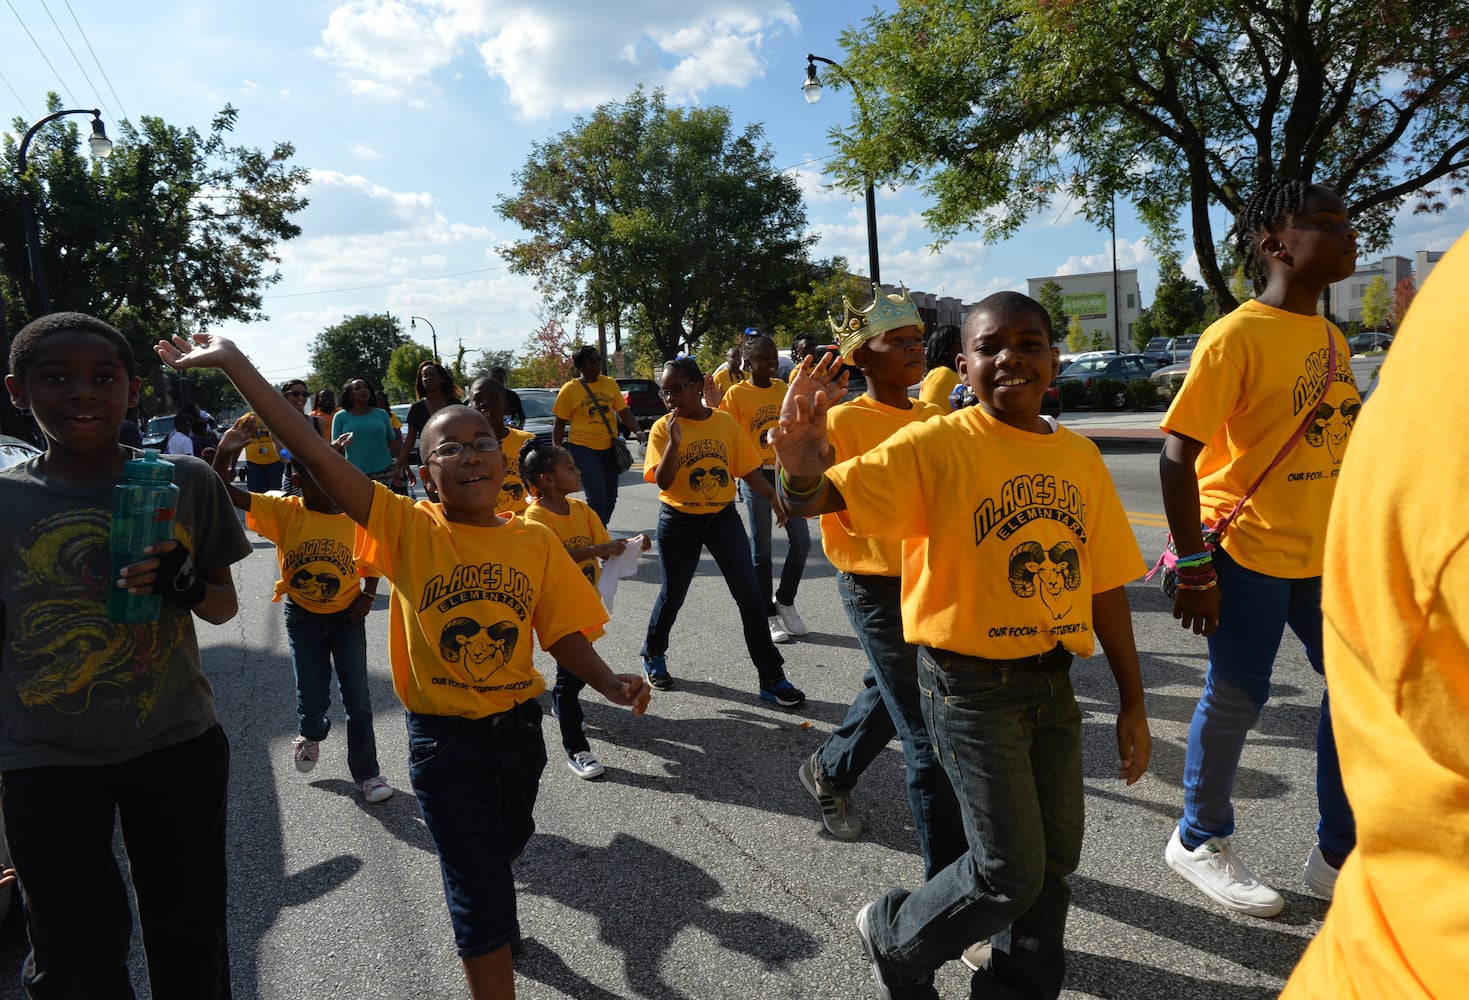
[[1090, 298], [1344, 298]]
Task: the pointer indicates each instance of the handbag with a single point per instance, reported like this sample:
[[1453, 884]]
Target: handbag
[[1214, 533], [620, 453]]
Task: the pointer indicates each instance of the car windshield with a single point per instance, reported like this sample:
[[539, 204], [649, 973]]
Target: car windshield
[[160, 425], [536, 404]]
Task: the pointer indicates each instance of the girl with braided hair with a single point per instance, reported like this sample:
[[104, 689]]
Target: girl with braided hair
[[1233, 430]]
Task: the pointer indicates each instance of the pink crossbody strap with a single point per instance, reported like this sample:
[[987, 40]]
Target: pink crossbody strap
[[1296, 437]]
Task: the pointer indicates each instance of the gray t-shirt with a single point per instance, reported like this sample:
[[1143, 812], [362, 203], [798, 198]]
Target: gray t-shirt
[[76, 688]]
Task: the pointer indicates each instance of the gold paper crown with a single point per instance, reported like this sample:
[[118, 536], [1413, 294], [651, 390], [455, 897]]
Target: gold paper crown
[[887, 312]]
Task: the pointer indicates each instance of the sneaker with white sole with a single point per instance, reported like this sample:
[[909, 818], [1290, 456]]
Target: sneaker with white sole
[[792, 621], [1222, 876], [1318, 874], [655, 672], [584, 765], [778, 631], [375, 789], [305, 753], [891, 984], [838, 814], [783, 693]]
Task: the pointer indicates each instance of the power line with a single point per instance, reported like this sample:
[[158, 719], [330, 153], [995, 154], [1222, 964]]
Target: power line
[[23, 108], [386, 284], [94, 57], [92, 86], [42, 51]]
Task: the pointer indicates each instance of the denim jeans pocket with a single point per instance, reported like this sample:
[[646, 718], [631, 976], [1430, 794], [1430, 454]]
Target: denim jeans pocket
[[422, 749], [957, 678]]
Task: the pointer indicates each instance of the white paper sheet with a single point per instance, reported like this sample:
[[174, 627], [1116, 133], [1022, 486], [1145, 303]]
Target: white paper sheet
[[619, 568]]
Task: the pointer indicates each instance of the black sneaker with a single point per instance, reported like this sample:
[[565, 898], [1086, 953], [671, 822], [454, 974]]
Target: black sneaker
[[782, 693], [891, 985]]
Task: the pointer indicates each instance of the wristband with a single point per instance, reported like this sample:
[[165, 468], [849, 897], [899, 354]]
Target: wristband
[[784, 488], [179, 583]]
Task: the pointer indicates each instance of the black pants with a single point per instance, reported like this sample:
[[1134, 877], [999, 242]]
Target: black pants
[[171, 804]]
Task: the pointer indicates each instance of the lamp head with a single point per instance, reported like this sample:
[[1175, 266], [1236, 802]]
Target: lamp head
[[811, 89], [101, 145]]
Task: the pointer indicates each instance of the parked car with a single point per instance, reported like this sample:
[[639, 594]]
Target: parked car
[[14, 451], [1157, 351], [1163, 378], [1364, 342], [1118, 367], [641, 396], [537, 404], [1073, 357], [157, 432], [1182, 348], [1051, 402]]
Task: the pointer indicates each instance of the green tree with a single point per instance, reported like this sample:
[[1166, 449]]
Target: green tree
[[668, 211], [996, 107], [1076, 337], [1376, 304], [1049, 296], [359, 346], [488, 360], [1144, 330], [829, 282], [402, 371], [176, 232], [1178, 303]]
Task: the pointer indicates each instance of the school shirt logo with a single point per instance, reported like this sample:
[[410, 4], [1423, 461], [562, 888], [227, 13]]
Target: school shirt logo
[[1050, 574], [316, 568], [483, 639]]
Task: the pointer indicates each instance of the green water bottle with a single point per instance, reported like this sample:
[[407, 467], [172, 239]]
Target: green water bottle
[[143, 509]]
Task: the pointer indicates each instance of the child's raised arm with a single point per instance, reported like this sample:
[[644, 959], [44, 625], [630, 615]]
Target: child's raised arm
[[1112, 619], [234, 441], [800, 440], [339, 478]]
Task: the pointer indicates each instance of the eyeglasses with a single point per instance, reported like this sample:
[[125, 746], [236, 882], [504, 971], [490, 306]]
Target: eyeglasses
[[674, 390], [453, 449], [296, 394]]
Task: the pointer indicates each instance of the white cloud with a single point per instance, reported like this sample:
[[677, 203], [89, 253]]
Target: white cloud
[[686, 49], [366, 152], [1130, 254], [249, 86]]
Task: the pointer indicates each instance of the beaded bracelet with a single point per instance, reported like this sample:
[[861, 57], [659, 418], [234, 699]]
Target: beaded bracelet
[[1210, 585]]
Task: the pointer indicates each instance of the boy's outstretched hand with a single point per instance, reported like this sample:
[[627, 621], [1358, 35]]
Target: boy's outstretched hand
[[800, 439], [628, 689], [1134, 743], [205, 350]]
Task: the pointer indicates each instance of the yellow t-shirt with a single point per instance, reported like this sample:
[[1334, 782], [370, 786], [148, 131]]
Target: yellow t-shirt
[[465, 599], [584, 423], [714, 453], [756, 410], [724, 381], [1006, 534], [853, 429], [1254, 374], [262, 450], [576, 529], [314, 549], [513, 498], [1395, 603], [937, 385]]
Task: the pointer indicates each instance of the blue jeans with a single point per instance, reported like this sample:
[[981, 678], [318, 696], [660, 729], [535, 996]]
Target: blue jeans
[[798, 546], [1009, 736], [318, 641], [476, 782], [890, 704], [598, 478], [1254, 610], [681, 540], [171, 805], [263, 478], [566, 700]]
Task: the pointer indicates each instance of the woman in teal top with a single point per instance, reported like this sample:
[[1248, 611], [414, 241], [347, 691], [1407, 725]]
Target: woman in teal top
[[371, 446]]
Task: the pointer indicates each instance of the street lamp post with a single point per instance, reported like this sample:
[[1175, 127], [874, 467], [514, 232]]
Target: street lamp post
[[811, 90], [101, 148], [413, 325]]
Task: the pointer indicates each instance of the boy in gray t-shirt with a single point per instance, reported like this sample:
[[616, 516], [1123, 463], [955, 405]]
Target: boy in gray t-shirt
[[99, 719]]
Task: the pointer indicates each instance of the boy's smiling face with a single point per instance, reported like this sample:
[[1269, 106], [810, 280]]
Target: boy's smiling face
[[1008, 360], [78, 389], [468, 484]]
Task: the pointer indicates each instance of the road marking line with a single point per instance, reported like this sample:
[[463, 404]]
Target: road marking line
[[1147, 520]]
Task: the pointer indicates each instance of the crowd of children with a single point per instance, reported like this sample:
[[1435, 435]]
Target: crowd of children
[[502, 554]]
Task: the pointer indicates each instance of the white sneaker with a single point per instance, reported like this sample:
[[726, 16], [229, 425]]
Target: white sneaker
[[1222, 876], [1318, 875], [778, 631], [791, 620], [584, 765], [305, 753], [376, 789]]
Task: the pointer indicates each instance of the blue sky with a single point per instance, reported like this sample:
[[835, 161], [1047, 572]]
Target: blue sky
[[412, 117]]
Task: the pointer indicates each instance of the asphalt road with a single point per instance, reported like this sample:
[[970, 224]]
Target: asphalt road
[[698, 868]]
